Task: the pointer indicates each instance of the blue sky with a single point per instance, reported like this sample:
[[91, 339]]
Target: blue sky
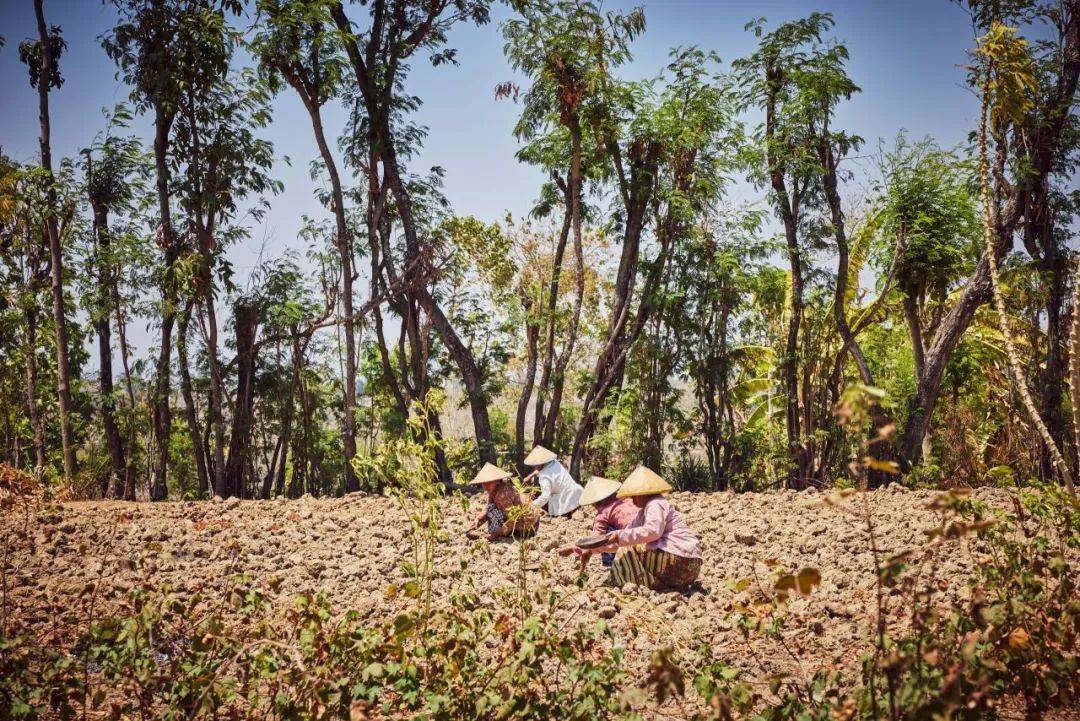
[[905, 55]]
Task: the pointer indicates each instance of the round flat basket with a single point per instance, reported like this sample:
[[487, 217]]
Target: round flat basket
[[591, 542]]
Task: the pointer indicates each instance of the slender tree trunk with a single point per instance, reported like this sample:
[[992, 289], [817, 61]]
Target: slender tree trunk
[[1074, 361], [287, 416], [378, 101], [622, 329], [470, 375], [36, 424], [532, 334], [271, 471], [118, 468], [558, 383], [56, 256], [190, 411], [790, 366], [914, 324], [246, 318], [309, 477], [880, 445], [343, 242], [459, 352], [125, 356], [1054, 375], [162, 410], [545, 391], [217, 386], [991, 215], [788, 206], [1041, 243]]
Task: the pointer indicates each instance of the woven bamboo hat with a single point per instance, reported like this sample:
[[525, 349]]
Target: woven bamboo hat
[[539, 456], [643, 482], [597, 489], [490, 472]]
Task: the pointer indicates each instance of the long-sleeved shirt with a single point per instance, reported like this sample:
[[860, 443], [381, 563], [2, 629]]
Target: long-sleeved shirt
[[659, 526], [558, 489], [613, 514]]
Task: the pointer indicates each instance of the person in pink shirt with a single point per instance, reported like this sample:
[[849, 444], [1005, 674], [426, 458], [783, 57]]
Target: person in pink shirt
[[612, 514], [657, 549]]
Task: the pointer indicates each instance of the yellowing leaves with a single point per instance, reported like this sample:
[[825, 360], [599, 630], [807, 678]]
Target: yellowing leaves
[[1019, 639], [804, 582], [891, 467], [1011, 82]]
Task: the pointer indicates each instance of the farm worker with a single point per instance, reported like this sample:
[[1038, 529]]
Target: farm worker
[[506, 513], [558, 490], [612, 514], [657, 549]]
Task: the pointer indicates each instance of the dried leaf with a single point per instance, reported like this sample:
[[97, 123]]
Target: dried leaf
[[807, 579], [1019, 639]]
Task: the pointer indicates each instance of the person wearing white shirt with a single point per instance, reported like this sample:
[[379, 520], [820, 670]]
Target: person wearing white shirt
[[559, 492]]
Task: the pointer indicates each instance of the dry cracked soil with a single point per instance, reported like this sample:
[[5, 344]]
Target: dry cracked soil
[[352, 549]]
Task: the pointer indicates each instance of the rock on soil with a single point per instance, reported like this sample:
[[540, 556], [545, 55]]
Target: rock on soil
[[352, 548]]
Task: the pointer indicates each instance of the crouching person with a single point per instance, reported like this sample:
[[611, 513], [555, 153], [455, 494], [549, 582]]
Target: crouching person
[[559, 492], [506, 514], [657, 549], [612, 514]]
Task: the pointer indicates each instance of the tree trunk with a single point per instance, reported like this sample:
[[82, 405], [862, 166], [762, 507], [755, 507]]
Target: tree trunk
[[459, 352], [162, 411], [558, 381], [1041, 158], [574, 193], [56, 256], [1041, 243], [532, 334], [379, 103], [470, 375], [217, 384], [246, 318], [622, 331], [1074, 361], [545, 390], [287, 416], [190, 411], [118, 468], [1054, 375], [36, 424], [879, 445], [914, 324], [125, 355], [343, 242]]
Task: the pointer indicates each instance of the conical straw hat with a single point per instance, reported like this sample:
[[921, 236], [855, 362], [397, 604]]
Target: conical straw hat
[[539, 456], [597, 489], [490, 472], [643, 482]]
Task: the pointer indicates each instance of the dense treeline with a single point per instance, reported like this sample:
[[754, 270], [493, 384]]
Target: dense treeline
[[920, 305]]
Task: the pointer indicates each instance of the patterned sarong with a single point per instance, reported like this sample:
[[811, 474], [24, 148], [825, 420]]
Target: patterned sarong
[[652, 568], [496, 519]]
